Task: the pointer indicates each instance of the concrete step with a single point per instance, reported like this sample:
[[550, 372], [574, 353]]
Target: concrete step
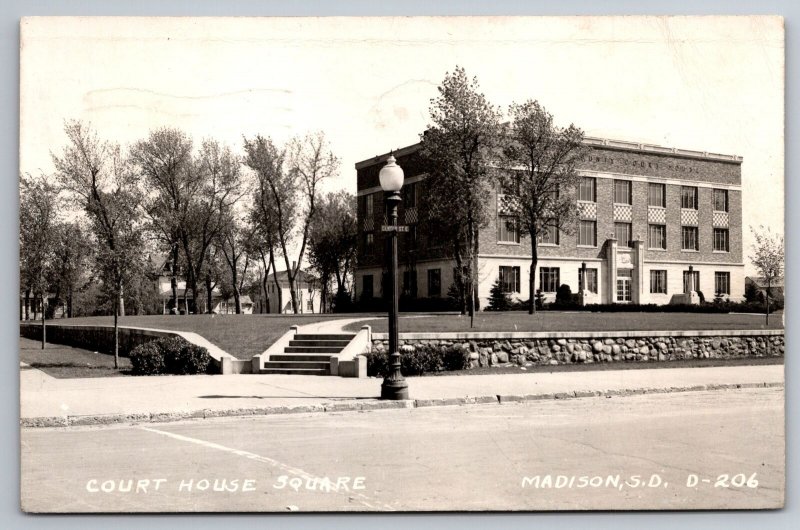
[[297, 364], [316, 357], [341, 343], [295, 371], [313, 349], [329, 336]]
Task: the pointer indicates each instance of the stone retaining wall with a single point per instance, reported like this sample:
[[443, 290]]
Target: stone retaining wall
[[629, 347]]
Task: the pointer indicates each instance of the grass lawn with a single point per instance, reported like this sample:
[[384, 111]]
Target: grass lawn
[[240, 335], [576, 321], [65, 362]]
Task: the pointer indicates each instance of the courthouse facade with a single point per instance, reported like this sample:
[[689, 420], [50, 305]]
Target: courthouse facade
[[655, 225]]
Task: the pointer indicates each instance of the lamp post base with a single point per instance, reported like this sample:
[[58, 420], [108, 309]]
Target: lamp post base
[[394, 389]]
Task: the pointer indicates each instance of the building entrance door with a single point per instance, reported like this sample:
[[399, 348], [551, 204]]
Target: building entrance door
[[624, 286]]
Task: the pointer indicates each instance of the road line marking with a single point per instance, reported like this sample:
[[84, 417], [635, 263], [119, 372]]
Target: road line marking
[[360, 497]]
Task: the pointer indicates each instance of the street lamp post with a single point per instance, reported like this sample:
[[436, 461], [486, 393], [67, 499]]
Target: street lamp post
[[391, 176]]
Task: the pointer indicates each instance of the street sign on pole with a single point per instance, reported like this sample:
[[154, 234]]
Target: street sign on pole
[[390, 228]]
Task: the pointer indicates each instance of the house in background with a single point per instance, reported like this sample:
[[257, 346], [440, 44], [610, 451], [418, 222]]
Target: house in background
[[306, 288], [228, 307], [760, 285]]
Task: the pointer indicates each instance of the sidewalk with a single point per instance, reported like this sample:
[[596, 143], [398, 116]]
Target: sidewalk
[[46, 401]]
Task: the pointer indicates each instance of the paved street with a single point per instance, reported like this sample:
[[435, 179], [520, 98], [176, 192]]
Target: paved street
[[592, 453]]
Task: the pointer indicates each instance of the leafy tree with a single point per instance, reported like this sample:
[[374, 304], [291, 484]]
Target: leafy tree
[[72, 260], [38, 210], [332, 242], [768, 259], [542, 178], [102, 182], [457, 149], [499, 300], [233, 244], [165, 161]]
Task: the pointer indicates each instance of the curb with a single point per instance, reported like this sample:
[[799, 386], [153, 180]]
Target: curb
[[363, 405]]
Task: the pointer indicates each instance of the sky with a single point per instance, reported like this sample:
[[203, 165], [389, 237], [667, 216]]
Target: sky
[[712, 84]]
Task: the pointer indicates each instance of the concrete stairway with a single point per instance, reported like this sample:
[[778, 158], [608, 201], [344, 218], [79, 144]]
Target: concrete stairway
[[307, 354]]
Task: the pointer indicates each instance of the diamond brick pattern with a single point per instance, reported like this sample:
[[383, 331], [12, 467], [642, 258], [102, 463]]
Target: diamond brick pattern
[[368, 224], [587, 210], [507, 204], [411, 215], [689, 217], [623, 212], [657, 215], [720, 219]]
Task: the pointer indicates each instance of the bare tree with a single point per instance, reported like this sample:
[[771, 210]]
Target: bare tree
[[102, 182], [768, 258], [38, 210], [458, 150], [233, 243], [540, 176]]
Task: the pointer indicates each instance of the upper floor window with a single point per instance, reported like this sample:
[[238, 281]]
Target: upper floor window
[[587, 234], [721, 240], [410, 195], [658, 237], [368, 205], [587, 191], [369, 240], [434, 282], [622, 231], [689, 197], [622, 191], [689, 238], [720, 200], [656, 195], [548, 234], [508, 229]]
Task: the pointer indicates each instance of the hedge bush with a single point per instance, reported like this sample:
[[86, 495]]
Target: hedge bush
[[171, 355], [147, 359], [424, 358]]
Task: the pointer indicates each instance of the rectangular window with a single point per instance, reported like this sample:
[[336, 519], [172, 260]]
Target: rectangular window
[[366, 286], [509, 279], [658, 282], [722, 283], [410, 283], [656, 195], [587, 234], [507, 229], [689, 197], [434, 282], [549, 279], [622, 231], [548, 235], [591, 280], [721, 240], [368, 206], [310, 305], [587, 191], [691, 281], [410, 195], [622, 191], [369, 241], [657, 237], [720, 200], [689, 238]]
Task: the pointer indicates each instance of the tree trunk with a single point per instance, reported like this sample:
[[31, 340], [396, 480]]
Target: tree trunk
[[69, 302], [265, 279], [470, 290], [174, 279], [277, 283], [44, 327], [209, 299], [532, 275], [291, 278], [116, 328], [121, 303], [27, 304], [769, 284]]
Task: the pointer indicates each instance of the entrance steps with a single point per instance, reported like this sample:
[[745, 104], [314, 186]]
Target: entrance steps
[[307, 354]]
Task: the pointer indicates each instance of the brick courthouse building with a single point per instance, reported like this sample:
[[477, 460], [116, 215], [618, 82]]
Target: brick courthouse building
[[656, 225]]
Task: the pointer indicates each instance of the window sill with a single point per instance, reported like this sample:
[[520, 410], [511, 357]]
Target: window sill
[[587, 246], [689, 250], [548, 245], [509, 243], [657, 250], [720, 251]]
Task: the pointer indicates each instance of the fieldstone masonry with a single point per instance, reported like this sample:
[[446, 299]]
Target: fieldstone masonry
[[557, 351]]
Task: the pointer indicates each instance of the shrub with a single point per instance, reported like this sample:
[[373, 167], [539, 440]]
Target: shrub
[[423, 359], [564, 294], [455, 358], [170, 355], [147, 359], [499, 300]]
